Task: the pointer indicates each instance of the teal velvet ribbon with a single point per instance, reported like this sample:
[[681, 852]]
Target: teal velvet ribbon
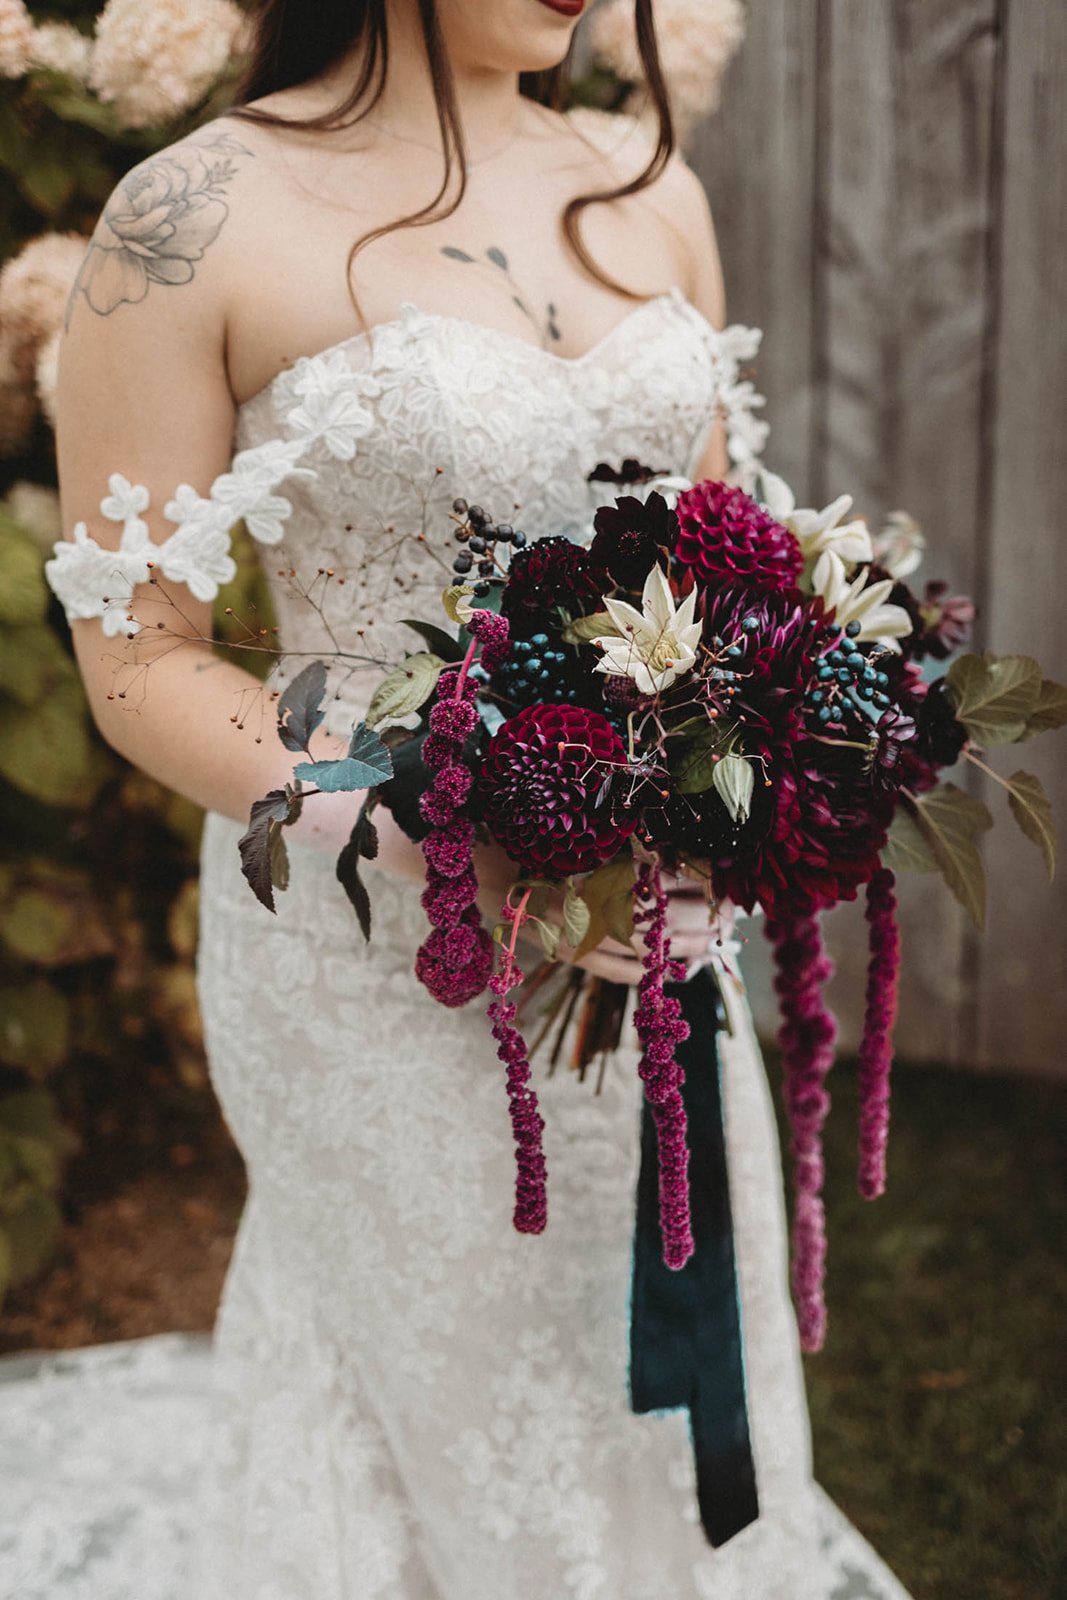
[[686, 1341]]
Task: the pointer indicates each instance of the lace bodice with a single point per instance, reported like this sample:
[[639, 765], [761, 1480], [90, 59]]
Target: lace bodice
[[349, 461]]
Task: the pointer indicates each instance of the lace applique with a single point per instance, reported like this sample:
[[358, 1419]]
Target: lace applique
[[334, 410]]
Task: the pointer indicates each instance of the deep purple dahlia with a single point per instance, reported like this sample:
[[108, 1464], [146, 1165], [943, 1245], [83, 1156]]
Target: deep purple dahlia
[[630, 536], [724, 536], [547, 577], [539, 784]]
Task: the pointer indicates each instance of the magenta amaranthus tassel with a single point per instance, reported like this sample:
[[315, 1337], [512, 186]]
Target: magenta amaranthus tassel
[[660, 1028], [456, 958], [876, 1051], [527, 1124], [806, 1038]]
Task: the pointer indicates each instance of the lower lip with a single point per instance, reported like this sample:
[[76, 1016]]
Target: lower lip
[[566, 8]]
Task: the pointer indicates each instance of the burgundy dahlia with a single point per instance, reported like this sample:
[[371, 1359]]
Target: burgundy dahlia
[[630, 536], [724, 536], [539, 786], [547, 577]]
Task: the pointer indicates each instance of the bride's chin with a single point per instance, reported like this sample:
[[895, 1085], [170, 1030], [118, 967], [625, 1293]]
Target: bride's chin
[[507, 35]]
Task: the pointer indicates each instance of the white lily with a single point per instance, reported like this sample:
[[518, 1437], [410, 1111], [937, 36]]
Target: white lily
[[655, 645], [818, 531], [860, 601]]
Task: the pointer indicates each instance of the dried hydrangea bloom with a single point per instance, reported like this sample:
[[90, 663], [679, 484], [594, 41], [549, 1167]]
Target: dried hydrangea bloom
[[59, 47], [153, 61], [16, 38], [697, 39]]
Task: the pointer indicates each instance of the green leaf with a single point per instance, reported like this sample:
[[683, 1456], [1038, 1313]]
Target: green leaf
[[907, 848], [456, 600], [1030, 807], [994, 696], [1050, 710], [951, 821], [406, 689], [694, 766], [441, 643], [46, 750], [33, 1232], [32, 662], [549, 935], [368, 762], [23, 591], [48, 179], [576, 917], [584, 629], [34, 1028], [608, 893], [82, 109], [735, 782]]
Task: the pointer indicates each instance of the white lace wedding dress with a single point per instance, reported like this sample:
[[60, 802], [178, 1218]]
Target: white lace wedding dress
[[405, 1399]]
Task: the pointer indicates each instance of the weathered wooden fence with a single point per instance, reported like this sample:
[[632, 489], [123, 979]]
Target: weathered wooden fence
[[888, 183]]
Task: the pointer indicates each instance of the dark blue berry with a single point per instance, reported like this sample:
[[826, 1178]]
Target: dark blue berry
[[843, 675], [459, 507], [825, 713], [477, 544], [463, 562], [749, 624], [853, 628], [518, 538]]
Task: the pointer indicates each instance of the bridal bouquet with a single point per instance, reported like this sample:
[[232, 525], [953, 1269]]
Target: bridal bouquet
[[714, 685]]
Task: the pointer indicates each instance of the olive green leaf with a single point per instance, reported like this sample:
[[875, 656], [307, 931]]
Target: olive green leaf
[[994, 696], [1030, 807], [456, 600], [23, 593], [907, 848], [34, 1027], [608, 893], [576, 916], [1049, 712], [735, 782], [406, 689], [951, 820], [584, 629]]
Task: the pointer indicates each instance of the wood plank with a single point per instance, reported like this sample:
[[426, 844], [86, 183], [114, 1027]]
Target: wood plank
[[757, 159], [906, 209], [1021, 1015]]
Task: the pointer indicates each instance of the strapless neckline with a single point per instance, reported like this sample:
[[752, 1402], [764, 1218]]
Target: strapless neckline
[[411, 315]]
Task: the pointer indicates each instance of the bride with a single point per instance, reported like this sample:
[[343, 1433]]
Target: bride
[[394, 276]]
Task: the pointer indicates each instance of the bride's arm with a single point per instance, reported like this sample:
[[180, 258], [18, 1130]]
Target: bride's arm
[[144, 392]]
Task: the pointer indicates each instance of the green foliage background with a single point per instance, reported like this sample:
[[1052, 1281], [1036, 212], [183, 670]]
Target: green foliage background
[[97, 862]]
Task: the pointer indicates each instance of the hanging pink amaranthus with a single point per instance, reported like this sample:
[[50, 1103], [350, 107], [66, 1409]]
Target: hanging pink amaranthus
[[455, 960], [876, 1051], [527, 1124], [661, 1028], [807, 1039]]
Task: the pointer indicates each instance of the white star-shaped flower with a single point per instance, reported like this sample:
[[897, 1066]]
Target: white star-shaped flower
[[93, 581], [817, 531], [655, 645], [332, 393], [900, 545], [860, 601]]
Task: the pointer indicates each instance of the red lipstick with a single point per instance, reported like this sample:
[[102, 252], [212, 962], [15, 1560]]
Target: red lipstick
[[566, 8]]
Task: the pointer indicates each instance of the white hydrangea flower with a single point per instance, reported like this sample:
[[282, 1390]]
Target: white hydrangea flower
[[61, 48], [860, 601], [817, 531], [655, 645]]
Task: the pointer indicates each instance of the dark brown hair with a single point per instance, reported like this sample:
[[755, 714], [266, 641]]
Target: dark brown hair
[[291, 48]]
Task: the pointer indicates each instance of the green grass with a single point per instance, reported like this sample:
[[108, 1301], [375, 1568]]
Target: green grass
[[938, 1403]]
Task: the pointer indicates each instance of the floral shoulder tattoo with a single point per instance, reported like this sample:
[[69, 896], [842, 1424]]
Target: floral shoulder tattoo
[[157, 224]]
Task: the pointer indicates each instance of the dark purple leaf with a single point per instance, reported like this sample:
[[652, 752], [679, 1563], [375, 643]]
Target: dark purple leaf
[[300, 707], [362, 842], [255, 845]]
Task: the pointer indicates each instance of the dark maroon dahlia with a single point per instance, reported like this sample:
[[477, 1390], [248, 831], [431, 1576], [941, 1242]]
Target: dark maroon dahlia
[[771, 644], [543, 773], [946, 622], [631, 471], [630, 536], [726, 537], [547, 577]]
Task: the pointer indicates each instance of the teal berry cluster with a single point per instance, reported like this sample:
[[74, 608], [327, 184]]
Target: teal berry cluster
[[843, 671], [537, 670]]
